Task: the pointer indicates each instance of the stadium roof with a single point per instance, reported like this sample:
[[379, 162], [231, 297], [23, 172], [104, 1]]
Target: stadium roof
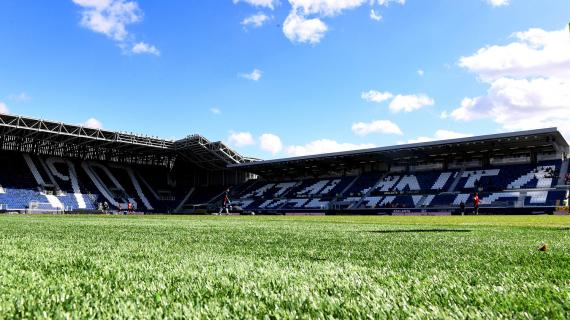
[[31, 135], [38, 136], [540, 140]]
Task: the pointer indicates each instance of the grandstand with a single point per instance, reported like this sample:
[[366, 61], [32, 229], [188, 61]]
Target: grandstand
[[53, 167], [517, 172], [58, 166]]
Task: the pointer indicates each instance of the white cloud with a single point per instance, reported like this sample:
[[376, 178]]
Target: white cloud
[[271, 143], [334, 7], [441, 135], [259, 3], [519, 104], [377, 126], [4, 108], [111, 18], [298, 29], [255, 75], [468, 111], [143, 47], [255, 20], [399, 102], [498, 3], [241, 139], [376, 96], [215, 110], [93, 123], [375, 16], [529, 82], [408, 103], [20, 97], [304, 23], [387, 2], [324, 146], [420, 72], [324, 7], [535, 53]]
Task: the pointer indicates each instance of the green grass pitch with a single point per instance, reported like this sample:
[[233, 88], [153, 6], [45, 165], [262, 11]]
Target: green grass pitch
[[284, 267]]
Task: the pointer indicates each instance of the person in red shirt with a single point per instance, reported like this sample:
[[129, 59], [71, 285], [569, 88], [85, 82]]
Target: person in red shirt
[[476, 203]]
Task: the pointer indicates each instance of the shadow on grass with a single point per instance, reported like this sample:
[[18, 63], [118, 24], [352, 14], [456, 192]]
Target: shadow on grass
[[318, 259], [557, 228], [419, 230]]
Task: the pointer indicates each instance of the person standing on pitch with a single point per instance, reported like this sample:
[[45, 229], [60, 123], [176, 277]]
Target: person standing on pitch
[[567, 201], [476, 203], [226, 204]]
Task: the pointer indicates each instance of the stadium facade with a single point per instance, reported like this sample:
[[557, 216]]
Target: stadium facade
[[49, 166]]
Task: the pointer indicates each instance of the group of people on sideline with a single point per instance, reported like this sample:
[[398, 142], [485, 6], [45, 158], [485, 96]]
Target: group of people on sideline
[[105, 208]]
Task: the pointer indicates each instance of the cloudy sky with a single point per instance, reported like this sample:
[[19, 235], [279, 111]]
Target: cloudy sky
[[278, 78]]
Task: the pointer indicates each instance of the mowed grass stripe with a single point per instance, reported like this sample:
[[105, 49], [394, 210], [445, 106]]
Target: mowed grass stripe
[[284, 267]]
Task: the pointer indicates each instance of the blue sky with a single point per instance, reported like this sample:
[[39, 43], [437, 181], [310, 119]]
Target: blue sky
[[289, 77]]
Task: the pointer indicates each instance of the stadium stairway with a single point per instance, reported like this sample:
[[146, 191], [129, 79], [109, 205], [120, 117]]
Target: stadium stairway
[[345, 190], [33, 169], [521, 199], [126, 196], [456, 180], [138, 189], [185, 200], [147, 185], [105, 192]]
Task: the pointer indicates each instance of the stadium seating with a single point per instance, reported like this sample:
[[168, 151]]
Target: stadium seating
[[54, 183], [506, 185], [62, 184]]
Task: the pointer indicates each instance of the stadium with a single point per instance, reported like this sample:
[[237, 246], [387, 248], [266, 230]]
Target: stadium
[[57, 167], [285, 159], [102, 224]]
